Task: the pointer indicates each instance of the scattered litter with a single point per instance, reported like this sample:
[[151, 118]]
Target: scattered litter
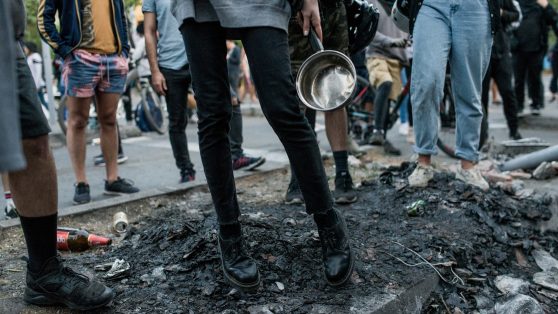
[[510, 285], [545, 170], [120, 222], [547, 279], [116, 270], [416, 208], [544, 260], [280, 285], [519, 304]]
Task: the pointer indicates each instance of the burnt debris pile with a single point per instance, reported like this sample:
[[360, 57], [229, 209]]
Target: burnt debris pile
[[447, 247]]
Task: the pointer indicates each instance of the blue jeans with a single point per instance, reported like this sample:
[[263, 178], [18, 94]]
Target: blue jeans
[[458, 33]]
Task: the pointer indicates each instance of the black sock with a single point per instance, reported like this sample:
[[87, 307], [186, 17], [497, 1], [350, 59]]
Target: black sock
[[341, 161], [40, 236], [325, 218], [230, 230]]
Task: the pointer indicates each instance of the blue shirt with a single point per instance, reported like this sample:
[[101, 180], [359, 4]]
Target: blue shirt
[[170, 47]]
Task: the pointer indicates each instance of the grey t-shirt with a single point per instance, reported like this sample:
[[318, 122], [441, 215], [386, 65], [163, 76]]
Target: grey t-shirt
[[170, 46], [11, 156], [235, 14]]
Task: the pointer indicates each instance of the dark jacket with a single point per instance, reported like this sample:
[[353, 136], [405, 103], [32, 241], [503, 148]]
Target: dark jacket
[[68, 37], [532, 34], [17, 10], [415, 6], [509, 14]]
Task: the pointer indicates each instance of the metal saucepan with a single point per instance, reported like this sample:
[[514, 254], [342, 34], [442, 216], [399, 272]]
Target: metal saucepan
[[327, 79]]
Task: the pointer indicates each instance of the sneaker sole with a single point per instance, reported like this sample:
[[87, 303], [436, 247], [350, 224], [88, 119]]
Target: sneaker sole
[[295, 201], [45, 299], [254, 165], [345, 200], [118, 161]]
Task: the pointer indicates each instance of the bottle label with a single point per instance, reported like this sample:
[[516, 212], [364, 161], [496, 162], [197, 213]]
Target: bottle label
[[95, 240], [62, 240]]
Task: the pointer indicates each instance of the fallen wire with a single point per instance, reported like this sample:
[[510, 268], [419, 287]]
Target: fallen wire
[[425, 262]]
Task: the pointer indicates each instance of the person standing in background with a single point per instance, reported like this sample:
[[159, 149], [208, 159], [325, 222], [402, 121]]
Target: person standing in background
[[170, 76], [239, 159], [93, 39]]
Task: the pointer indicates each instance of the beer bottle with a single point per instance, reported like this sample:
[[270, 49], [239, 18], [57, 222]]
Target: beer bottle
[[78, 240]]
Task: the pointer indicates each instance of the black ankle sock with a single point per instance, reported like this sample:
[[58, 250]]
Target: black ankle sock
[[325, 218], [230, 230], [341, 161], [40, 236]]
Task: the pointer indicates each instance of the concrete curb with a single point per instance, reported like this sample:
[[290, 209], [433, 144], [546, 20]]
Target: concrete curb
[[123, 199], [539, 122]]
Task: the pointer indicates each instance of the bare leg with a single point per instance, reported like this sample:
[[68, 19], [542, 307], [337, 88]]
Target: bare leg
[[75, 138], [5, 182], [106, 113], [425, 160], [35, 189], [336, 129]]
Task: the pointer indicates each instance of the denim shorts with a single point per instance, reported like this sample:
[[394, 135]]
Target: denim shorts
[[85, 73]]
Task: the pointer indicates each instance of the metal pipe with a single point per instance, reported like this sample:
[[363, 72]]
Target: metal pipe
[[531, 160]]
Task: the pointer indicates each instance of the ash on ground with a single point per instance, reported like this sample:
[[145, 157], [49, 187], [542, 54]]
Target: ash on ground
[[460, 247]]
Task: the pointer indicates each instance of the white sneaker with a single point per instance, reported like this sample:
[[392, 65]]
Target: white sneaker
[[473, 177], [421, 176], [410, 136], [404, 128], [10, 210]]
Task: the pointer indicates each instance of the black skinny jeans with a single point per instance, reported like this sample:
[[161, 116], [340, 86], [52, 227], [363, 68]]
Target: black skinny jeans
[[178, 82], [501, 71], [268, 54], [529, 65]]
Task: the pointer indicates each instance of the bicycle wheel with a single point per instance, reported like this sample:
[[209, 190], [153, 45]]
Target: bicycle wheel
[[153, 110]]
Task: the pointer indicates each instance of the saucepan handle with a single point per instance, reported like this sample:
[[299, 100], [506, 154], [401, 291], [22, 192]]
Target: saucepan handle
[[315, 41]]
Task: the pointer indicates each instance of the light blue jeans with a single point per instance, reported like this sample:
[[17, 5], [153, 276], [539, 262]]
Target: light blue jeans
[[458, 33]]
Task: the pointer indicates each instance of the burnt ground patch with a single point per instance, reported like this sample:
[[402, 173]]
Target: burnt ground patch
[[468, 236]]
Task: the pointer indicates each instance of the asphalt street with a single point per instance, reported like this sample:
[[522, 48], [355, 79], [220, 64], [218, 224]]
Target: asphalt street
[[151, 164]]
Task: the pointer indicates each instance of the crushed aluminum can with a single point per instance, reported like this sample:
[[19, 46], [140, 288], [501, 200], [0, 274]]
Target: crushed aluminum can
[[116, 270], [120, 222]]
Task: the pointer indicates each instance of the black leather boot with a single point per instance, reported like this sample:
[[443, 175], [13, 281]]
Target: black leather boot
[[238, 267], [338, 257]]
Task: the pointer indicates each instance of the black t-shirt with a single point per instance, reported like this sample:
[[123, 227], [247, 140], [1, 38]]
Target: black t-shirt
[[18, 16]]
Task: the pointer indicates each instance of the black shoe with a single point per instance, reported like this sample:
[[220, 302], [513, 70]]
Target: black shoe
[[82, 194], [120, 186], [515, 136], [536, 111], [338, 257], [344, 192], [247, 163], [377, 138], [389, 149], [238, 267], [187, 175], [294, 195], [56, 284], [99, 160]]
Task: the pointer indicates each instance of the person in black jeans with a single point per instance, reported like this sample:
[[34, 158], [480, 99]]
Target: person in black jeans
[[240, 160], [554, 80], [530, 48], [171, 77], [265, 41], [500, 68]]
